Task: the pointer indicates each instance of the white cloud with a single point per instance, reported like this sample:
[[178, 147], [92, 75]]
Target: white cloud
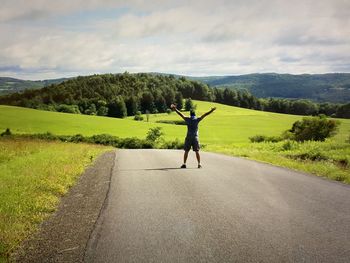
[[185, 37]]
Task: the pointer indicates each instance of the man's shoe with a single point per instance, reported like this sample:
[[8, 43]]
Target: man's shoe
[[199, 166], [183, 166]]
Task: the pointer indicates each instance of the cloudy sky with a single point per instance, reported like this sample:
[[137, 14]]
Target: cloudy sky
[[43, 39]]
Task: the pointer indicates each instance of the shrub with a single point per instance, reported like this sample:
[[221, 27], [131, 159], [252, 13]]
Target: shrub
[[314, 128], [263, 138], [154, 134], [77, 138], [176, 122], [67, 108], [176, 144], [7, 132], [138, 116], [290, 145], [311, 155], [104, 139]]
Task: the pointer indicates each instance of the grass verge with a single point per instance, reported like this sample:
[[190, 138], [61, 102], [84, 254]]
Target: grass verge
[[330, 159], [34, 174]]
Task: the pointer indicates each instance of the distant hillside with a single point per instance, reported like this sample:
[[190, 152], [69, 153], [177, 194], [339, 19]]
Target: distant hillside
[[121, 95], [12, 85], [333, 87]]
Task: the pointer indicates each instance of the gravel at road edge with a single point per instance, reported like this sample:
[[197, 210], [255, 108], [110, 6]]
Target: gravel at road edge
[[64, 236]]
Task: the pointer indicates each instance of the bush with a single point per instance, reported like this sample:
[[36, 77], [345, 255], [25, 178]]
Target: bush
[[7, 132], [176, 144], [138, 116], [311, 155], [68, 108], [263, 138], [176, 122], [314, 128], [154, 134], [257, 138]]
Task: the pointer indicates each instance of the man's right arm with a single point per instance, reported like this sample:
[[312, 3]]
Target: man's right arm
[[173, 107]]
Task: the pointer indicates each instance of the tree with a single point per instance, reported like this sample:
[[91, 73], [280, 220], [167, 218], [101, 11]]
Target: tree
[[132, 105], [117, 108], [102, 111], [189, 104], [179, 101], [160, 104], [314, 128], [304, 107], [91, 110], [147, 102], [344, 111]]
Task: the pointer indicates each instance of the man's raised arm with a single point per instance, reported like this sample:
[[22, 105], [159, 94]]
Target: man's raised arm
[[173, 107], [207, 113]]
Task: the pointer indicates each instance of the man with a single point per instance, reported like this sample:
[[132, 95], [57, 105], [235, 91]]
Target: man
[[192, 133]]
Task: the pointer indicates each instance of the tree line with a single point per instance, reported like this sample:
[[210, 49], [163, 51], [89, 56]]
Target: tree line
[[121, 95]]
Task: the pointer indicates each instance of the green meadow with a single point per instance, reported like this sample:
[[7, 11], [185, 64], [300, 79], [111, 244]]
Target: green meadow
[[227, 125], [33, 176]]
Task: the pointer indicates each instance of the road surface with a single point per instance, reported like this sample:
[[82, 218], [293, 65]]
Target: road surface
[[232, 210]]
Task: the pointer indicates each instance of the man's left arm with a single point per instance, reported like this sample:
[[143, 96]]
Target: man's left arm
[[207, 113]]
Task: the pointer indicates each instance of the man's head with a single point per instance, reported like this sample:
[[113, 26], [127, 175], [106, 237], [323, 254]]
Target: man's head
[[192, 114]]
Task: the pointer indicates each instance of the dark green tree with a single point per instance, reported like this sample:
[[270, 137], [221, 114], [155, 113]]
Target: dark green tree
[[117, 108], [179, 101], [343, 111]]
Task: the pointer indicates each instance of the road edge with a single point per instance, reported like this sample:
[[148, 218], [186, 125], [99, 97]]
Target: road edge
[[63, 237]]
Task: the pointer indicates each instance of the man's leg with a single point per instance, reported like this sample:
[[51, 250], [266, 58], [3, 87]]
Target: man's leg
[[185, 159], [185, 156], [196, 148], [198, 159]]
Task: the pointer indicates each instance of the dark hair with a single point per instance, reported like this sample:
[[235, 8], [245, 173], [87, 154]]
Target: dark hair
[[192, 113]]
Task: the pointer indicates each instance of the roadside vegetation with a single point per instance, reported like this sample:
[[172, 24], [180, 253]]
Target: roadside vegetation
[[328, 159], [34, 174]]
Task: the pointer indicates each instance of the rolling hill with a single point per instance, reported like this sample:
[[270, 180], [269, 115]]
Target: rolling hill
[[12, 85], [333, 87]]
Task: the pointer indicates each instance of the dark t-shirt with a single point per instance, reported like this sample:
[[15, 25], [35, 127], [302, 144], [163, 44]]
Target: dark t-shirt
[[192, 126]]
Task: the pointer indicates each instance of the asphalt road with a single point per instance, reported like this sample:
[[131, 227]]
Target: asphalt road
[[232, 210]]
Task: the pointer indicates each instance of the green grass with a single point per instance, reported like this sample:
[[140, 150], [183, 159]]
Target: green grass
[[225, 126], [227, 130], [329, 159], [33, 176]]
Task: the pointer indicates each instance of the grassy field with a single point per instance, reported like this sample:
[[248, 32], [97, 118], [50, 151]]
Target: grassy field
[[33, 176], [227, 131], [226, 126]]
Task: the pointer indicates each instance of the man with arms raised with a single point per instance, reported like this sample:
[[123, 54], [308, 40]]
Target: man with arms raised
[[192, 139]]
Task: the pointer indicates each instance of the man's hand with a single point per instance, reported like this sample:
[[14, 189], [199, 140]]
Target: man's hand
[[212, 109], [173, 106]]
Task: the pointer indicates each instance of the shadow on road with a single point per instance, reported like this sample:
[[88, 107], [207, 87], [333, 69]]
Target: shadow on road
[[159, 169]]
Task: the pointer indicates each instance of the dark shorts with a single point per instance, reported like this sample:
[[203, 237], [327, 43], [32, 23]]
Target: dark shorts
[[192, 142]]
